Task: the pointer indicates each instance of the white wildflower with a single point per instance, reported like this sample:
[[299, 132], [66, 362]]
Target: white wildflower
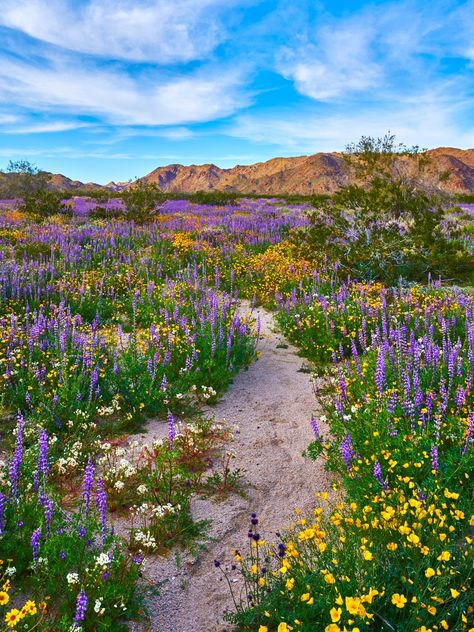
[[72, 578]]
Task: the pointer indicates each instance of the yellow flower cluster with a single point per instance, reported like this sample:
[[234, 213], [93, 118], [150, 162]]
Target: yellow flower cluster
[[30, 608], [275, 270]]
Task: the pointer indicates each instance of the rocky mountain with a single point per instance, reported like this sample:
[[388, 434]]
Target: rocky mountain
[[56, 181], [62, 183], [303, 175], [116, 186]]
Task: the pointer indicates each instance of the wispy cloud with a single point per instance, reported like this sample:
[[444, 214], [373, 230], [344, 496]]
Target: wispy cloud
[[7, 119], [375, 50], [339, 60], [42, 128], [153, 98], [163, 31], [115, 85], [428, 121], [61, 152]]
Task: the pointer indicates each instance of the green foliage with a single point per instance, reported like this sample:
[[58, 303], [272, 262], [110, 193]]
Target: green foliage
[[157, 482], [390, 224], [140, 200], [56, 552], [394, 553], [214, 198], [466, 198], [28, 183]]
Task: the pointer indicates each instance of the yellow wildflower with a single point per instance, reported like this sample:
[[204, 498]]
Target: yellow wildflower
[[399, 600], [4, 598], [12, 618], [335, 614]]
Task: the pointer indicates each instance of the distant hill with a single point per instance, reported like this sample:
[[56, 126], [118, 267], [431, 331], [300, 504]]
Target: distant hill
[[57, 182], [302, 175]]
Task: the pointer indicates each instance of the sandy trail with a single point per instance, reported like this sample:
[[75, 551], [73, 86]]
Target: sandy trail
[[271, 403]]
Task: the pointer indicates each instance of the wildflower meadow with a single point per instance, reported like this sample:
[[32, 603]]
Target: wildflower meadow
[[108, 325]]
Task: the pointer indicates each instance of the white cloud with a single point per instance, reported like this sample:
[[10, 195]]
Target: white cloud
[[427, 121], [43, 128], [61, 152], [162, 31], [339, 62], [380, 48], [175, 133], [117, 97], [6, 119]]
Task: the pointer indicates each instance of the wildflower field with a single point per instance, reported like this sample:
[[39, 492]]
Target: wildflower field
[[106, 324]]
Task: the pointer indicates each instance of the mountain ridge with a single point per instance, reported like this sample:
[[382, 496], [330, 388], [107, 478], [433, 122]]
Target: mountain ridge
[[301, 175], [311, 174]]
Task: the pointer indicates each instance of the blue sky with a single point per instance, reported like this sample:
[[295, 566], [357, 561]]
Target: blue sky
[[110, 89]]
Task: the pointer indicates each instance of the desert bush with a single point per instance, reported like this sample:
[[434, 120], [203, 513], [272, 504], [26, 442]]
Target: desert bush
[[214, 198], [140, 200], [390, 224], [31, 185]]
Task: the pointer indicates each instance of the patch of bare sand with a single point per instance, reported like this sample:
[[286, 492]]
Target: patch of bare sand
[[271, 403]]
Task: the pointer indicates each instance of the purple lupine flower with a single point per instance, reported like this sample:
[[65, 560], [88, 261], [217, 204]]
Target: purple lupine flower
[[35, 542], [87, 483], [81, 607], [380, 372], [43, 465], [469, 434], [2, 513], [101, 503], [15, 464], [48, 506], [116, 367], [171, 429], [460, 397], [314, 427], [378, 476], [392, 402], [228, 348], [342, 385], [347, 451], [355, 357], [434, 458]]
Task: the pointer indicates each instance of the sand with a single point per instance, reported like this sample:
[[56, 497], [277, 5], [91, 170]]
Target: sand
[[271, 403]]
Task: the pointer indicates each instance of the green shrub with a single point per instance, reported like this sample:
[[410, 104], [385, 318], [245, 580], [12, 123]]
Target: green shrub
[[391, 223]]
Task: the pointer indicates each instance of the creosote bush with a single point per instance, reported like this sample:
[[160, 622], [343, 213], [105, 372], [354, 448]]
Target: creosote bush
[[391, 224]]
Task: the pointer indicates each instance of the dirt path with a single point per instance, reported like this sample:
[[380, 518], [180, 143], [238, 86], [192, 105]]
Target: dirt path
[[271, 403]]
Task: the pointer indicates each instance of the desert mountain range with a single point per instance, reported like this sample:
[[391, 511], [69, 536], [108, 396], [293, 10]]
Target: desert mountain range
[[302, 175]]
